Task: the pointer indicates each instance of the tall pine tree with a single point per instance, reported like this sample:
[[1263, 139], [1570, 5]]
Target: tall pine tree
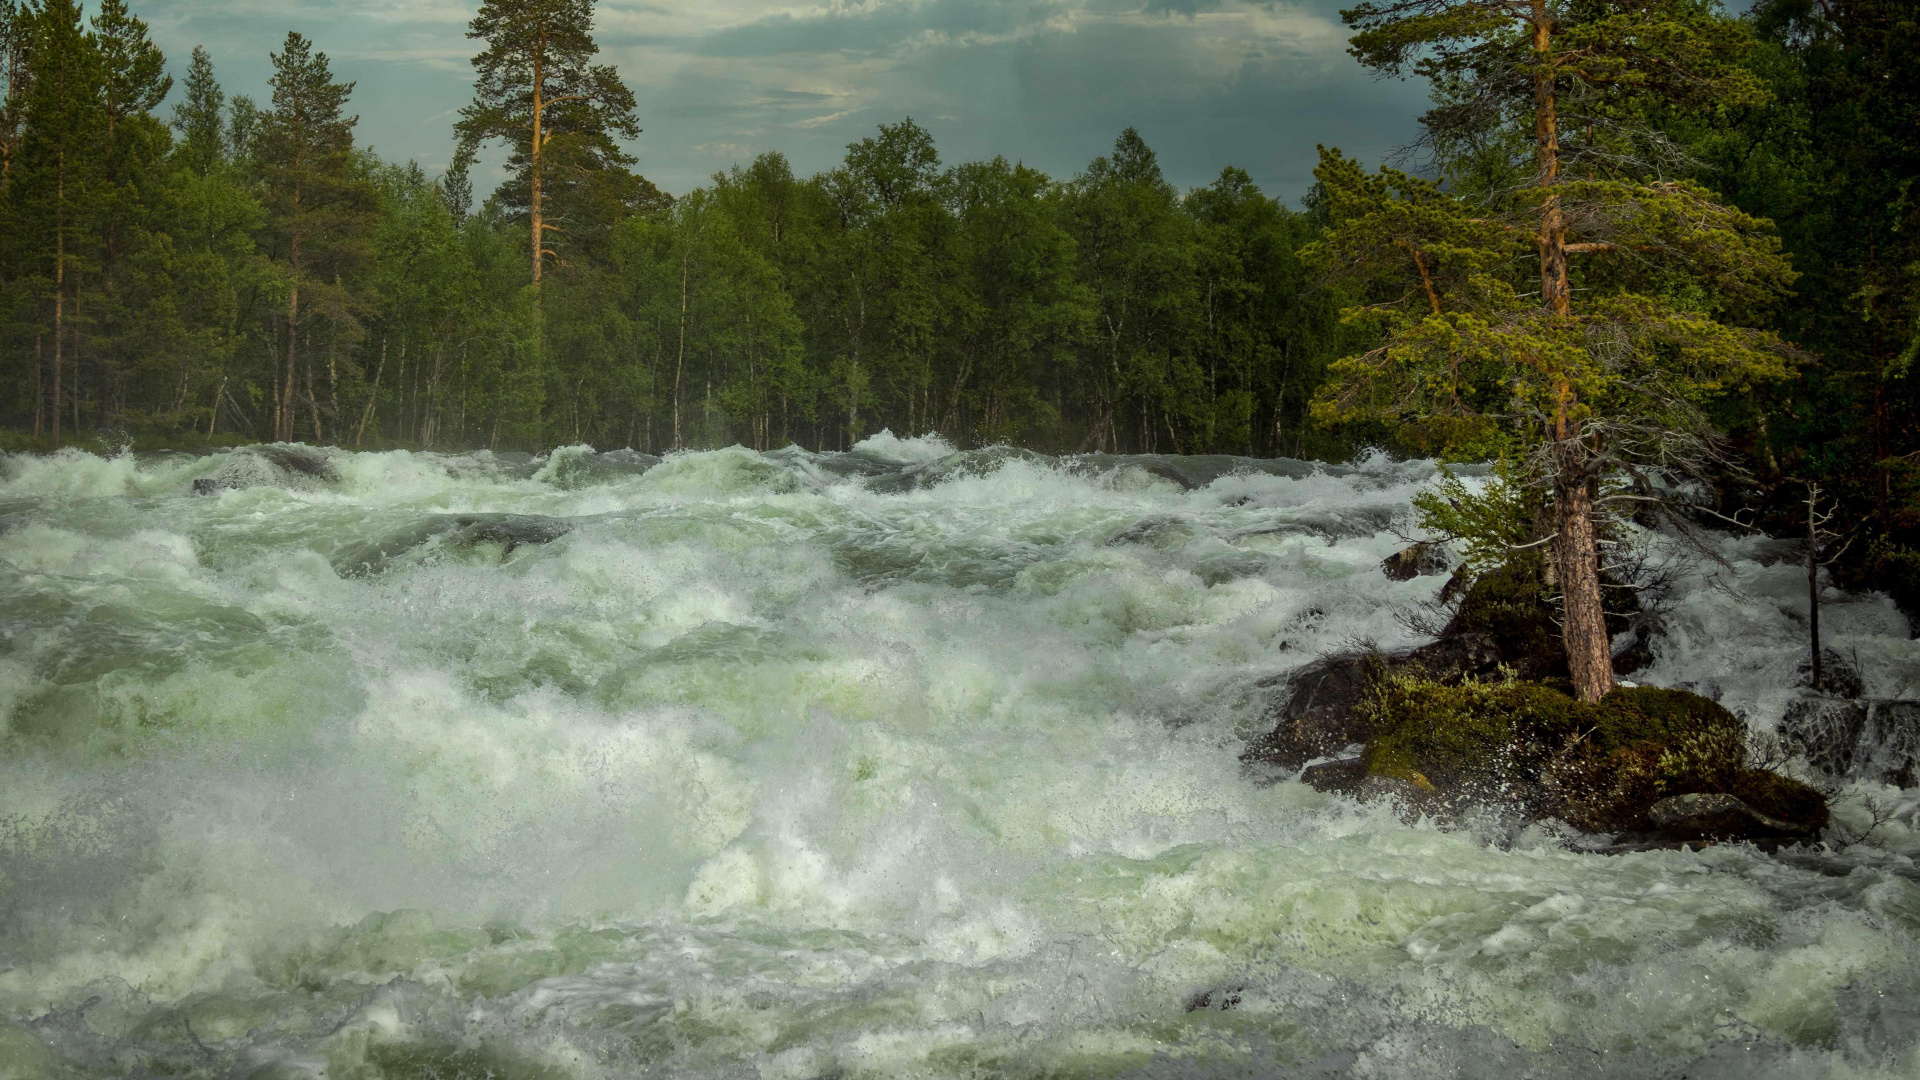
[[537, 88]]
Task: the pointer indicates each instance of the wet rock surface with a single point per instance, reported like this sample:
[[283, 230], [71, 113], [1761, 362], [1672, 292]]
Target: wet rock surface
[[1857, 738], [1717, 816], [452, 532], [1421, 560]]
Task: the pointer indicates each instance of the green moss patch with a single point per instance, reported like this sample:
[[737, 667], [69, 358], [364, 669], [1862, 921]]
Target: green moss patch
[[1598, 766]]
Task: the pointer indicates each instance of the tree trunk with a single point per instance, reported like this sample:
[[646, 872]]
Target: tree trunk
[[680, 362], [285, 425], [59, 317], [1554, 291], [1576, 556], [1584, 623], [534, 153]]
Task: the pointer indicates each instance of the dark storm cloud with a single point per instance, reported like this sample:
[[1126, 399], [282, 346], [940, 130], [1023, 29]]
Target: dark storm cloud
[[1209, 83]]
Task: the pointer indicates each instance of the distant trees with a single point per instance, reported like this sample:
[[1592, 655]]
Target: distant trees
[[246, 271]]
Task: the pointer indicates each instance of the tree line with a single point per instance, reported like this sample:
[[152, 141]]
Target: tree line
[[241, 269]]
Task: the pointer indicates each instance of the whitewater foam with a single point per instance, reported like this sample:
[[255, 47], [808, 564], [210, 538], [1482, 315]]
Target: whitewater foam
[[906, 761]]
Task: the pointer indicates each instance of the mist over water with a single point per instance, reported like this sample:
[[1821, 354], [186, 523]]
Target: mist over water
[[898, 762]]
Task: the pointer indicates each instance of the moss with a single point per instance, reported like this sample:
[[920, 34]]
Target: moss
[[1510, 606], [1598, 765]]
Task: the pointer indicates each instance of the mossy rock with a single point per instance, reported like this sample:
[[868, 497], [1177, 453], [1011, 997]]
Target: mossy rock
[[1597, 765]]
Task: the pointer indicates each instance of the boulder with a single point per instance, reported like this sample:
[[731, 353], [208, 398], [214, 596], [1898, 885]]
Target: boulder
[[1319, 715], [1503, 627], [1411, 797], [272, 465], [450, 532], [1717, 816], [1421, 560], [1826, 731]]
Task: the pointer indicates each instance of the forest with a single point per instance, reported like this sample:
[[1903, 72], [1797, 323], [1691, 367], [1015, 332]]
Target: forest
[[184, 266]]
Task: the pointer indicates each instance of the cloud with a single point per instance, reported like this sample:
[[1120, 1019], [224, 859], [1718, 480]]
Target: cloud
[[1209, 82]]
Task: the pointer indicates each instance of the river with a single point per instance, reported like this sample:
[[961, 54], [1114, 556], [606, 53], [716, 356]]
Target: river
[[894, 763]]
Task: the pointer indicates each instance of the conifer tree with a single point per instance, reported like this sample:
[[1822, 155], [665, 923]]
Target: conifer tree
[[198, 116], [54, 191], [133, 82], [1616, 382], [317, 205], [536, 87]]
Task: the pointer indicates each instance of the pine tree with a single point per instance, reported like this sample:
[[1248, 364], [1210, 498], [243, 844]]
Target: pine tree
[[536, 88], [133, 83], [316, 202], [198, 116], [55, 190], [1616, 384]]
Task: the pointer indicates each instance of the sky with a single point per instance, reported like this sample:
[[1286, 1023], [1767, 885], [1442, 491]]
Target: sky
[[1208, 83]]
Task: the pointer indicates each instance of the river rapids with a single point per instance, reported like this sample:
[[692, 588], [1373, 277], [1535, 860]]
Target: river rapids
[[900, 762]]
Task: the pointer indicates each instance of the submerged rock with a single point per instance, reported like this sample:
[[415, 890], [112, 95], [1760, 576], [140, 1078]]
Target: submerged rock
[[452, 531], [1826, 731], [272, 465], [1423, 559]]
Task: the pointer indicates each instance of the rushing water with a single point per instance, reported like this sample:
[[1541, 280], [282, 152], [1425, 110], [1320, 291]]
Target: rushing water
[[891, 763]]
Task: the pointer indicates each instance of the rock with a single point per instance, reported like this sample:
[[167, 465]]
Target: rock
[[1703, 816], [1633, 650], [1342, 776], [1837, 676], [297, 459], [1318, 716], [274, 465], [1826, 731], [1876, 740], [455, 531], [1889, 749], [1531, 749], [1421, 560], [1412, 798]]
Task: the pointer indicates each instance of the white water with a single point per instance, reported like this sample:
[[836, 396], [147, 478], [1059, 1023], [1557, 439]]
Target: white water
[[894, 763]]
